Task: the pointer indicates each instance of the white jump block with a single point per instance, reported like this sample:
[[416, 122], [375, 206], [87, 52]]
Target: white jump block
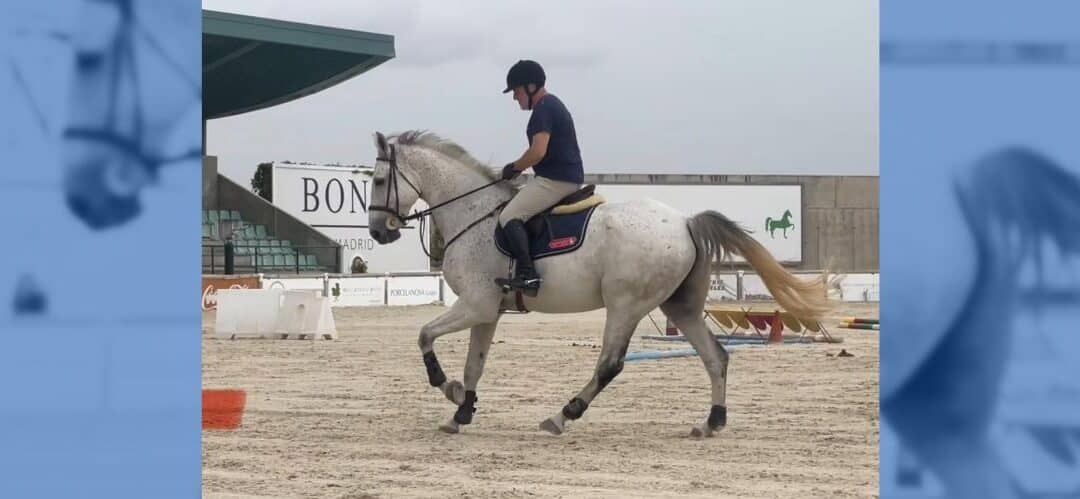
[[305, 313], [247, 312], [273, 313]]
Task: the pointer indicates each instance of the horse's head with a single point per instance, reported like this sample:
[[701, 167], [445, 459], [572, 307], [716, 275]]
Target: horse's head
[[393, 193]]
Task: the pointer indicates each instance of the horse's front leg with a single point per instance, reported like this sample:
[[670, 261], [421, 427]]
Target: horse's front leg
[[459, 317], [479, 344]]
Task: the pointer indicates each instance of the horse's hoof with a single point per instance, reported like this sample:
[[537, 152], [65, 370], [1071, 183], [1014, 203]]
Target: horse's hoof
[[700, 432], [450, 427], [551, 427], [454, 391]]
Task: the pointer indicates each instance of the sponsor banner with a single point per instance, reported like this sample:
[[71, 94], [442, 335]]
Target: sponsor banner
[[419, 290], [368, 291], [860, 287], [358, 291], [846, 287], [754, 288], [723, 287], [211, 285]]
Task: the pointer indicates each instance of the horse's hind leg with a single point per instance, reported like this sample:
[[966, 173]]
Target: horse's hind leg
[[618, 329], [692, 324], [686, 308]]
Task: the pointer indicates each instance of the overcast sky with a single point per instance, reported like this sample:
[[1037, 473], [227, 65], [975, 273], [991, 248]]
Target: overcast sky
[[710, 86]]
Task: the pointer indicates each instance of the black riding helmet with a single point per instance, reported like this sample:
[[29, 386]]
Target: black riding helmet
[[523, 73]]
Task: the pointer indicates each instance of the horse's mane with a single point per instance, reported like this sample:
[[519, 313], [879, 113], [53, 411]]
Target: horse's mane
[[447, 147]]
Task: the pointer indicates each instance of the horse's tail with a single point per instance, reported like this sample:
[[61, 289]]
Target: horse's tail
[[717, 235], [1023, 190]]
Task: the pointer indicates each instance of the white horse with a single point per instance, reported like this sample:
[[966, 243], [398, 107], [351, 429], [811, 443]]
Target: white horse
[[636, 256]]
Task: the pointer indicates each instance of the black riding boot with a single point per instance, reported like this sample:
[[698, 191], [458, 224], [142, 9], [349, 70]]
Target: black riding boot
[[525, 277]]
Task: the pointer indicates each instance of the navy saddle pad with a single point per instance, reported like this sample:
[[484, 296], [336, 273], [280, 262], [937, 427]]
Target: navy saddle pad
[[551, 235]]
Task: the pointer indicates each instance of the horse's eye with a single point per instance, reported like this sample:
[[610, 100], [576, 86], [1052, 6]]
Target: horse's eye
[[378, 181]]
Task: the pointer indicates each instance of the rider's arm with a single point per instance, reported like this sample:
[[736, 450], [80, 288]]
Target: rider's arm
[[536, 151]]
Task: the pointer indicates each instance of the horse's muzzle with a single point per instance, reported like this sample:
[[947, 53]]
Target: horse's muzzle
[[385, 236]]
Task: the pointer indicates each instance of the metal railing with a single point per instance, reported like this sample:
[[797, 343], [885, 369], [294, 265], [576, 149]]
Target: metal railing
[[245, 257]]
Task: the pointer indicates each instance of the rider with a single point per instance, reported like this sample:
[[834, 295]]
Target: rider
[[553, 155]]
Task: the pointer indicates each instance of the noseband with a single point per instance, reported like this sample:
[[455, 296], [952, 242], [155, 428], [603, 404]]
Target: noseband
[[392, 182]]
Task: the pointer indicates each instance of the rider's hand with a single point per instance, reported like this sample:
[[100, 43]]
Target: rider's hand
[[509, 172]]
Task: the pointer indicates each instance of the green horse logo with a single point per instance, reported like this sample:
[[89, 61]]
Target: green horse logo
[[784, 223]]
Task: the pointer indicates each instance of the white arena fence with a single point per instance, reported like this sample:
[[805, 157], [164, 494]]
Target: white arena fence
[[428, 288]]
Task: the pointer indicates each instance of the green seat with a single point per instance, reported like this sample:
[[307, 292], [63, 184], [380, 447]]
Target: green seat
[[260, 232], [234, 215], [275, 247], [206, 231], [224, 215], [249, 232], [279, 261], [205, 217], [290, 261], [212, 216]]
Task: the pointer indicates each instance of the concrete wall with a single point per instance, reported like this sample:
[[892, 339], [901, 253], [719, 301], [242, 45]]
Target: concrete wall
[[840, 226], [229, 195], [209, 182]]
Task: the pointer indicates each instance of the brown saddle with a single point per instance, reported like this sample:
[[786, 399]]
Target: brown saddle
[[581, 200]]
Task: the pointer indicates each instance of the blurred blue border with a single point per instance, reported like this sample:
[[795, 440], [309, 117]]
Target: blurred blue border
[[100, 198], [980, 249]]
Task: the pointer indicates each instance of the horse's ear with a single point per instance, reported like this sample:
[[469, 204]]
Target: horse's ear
[[382, 147]]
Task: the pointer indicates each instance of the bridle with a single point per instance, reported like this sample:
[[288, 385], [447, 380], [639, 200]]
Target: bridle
[[395, 212], [392, 180], [124, 56]]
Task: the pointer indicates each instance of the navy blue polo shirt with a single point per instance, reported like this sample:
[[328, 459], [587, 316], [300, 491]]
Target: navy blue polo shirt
[[563, 158]]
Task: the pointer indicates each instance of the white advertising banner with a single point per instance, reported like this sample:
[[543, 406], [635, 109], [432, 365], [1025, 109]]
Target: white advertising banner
[[754, 288], [334, 200], [860, 287], [773, 213], [723, 287], [845, 287], [417, 290], [357, 291]]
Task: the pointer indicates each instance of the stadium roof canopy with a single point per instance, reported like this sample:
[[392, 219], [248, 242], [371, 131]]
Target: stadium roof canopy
[[251, 63]]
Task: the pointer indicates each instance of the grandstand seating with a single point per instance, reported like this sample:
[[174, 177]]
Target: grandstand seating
[[256, 249]]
